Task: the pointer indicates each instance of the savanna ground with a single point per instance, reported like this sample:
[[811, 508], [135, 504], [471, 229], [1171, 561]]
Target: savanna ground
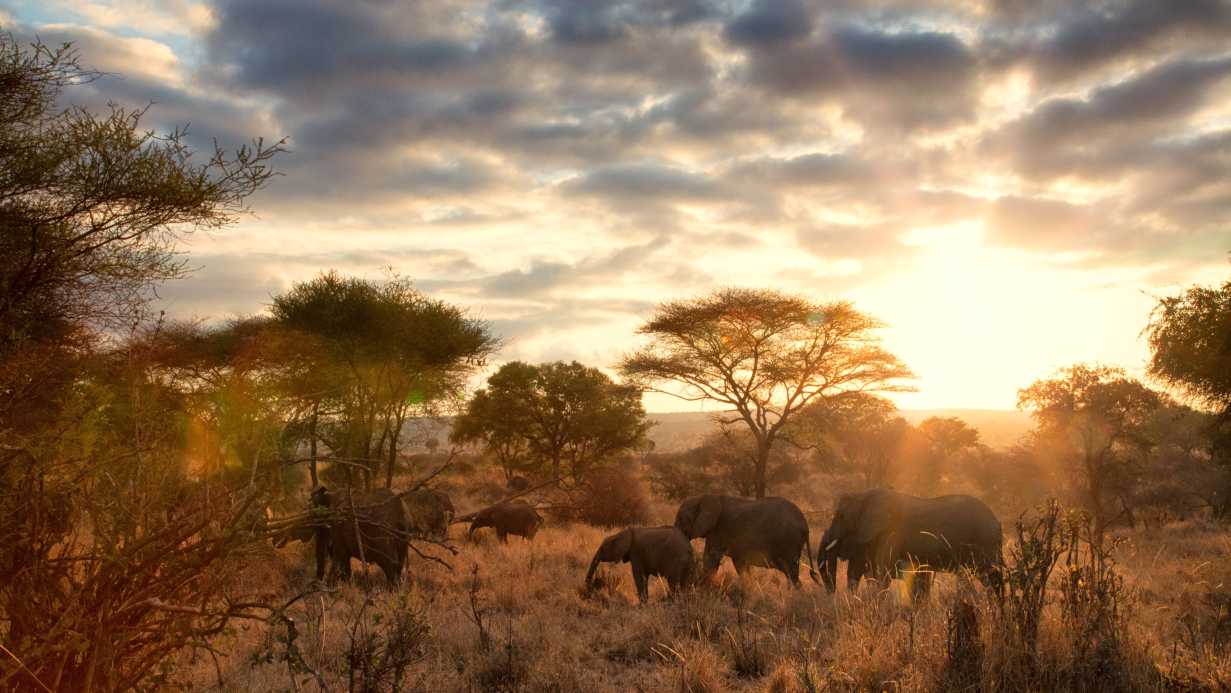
[[517, 617]]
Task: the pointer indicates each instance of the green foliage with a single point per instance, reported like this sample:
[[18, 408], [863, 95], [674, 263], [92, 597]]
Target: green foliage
[[1190, 349], [381, 352], [111, 560], [1190, 343], [559, 418]]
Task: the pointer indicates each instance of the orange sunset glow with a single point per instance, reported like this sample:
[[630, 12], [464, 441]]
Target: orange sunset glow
[[1005, 196]]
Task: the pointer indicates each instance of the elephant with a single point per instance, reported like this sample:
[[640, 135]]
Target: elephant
[[431, 513], [510, 517], [662, 551], [768, 532], [884, 534], [383, 523], [517, 484]]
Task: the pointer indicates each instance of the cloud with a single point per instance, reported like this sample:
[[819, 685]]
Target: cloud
[[768, 22], [646, 181], [571, 153], [1089, 36], [905, 80]]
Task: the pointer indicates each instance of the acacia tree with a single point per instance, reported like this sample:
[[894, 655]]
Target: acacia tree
[[764, 354], [1190, 348], [386, 352], [566, 417], [248, 387], [105, 570], [1101, 416]]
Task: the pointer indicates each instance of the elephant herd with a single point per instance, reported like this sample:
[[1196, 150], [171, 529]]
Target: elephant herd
[[881, 533]]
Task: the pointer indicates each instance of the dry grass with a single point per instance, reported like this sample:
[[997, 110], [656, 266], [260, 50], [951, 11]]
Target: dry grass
[[542, 631]]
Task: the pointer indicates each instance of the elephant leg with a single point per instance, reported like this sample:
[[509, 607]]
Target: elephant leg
[[992, 577], [920, 584], [341, 565], [712, 559], [502, 535], [740, 566], [855, 569], [322, 556], [641, 580], [393, 572], [789, 568]]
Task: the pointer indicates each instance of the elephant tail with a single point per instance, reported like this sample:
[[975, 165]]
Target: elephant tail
[[816, 577]]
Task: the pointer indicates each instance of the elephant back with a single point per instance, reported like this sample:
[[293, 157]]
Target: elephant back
[[428, 511]]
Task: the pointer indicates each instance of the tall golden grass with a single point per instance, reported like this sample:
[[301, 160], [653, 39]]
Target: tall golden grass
[[516, 617]]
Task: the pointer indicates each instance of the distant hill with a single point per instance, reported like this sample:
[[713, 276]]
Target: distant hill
[[997, 428], [674, 431]]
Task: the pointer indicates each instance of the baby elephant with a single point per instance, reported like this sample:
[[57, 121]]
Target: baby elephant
[[662, 551], [511, 517]]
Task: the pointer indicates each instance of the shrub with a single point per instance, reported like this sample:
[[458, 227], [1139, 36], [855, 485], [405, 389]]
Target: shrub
[[609, 497]]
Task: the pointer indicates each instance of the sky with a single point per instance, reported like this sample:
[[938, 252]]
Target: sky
[[1008, 184]]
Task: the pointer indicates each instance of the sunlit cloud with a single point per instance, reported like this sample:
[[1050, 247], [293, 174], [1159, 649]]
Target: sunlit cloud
[[988, 178]]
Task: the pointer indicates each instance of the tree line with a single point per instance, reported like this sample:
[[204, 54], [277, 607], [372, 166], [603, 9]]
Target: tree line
[[138, 454]]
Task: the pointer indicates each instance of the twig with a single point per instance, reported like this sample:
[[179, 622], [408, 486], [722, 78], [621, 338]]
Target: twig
[[37, 680]]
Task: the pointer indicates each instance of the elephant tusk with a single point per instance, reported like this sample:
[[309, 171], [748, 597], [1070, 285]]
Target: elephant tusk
[[831, 545]]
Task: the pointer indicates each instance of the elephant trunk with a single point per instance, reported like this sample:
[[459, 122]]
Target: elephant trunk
[[827, 561], [593, 567]]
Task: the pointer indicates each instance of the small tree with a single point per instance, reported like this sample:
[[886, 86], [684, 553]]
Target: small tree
[[764, 354], [563, 417], [861, 431], [1101, 416], [492, 419], [947, 437]]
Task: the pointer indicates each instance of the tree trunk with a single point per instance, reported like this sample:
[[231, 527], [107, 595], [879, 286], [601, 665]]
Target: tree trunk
[[312, 446], [393, 452], [762, 464]]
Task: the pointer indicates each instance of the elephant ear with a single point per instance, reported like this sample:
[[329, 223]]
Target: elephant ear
[[879, 514], [621, 544], [709, 511]]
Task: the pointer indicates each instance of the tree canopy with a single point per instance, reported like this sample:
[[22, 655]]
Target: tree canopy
[[1190, 343], [764, 354], [91, 207], [1190, 349], [560, 418], [1102, 416], [383, 351]]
